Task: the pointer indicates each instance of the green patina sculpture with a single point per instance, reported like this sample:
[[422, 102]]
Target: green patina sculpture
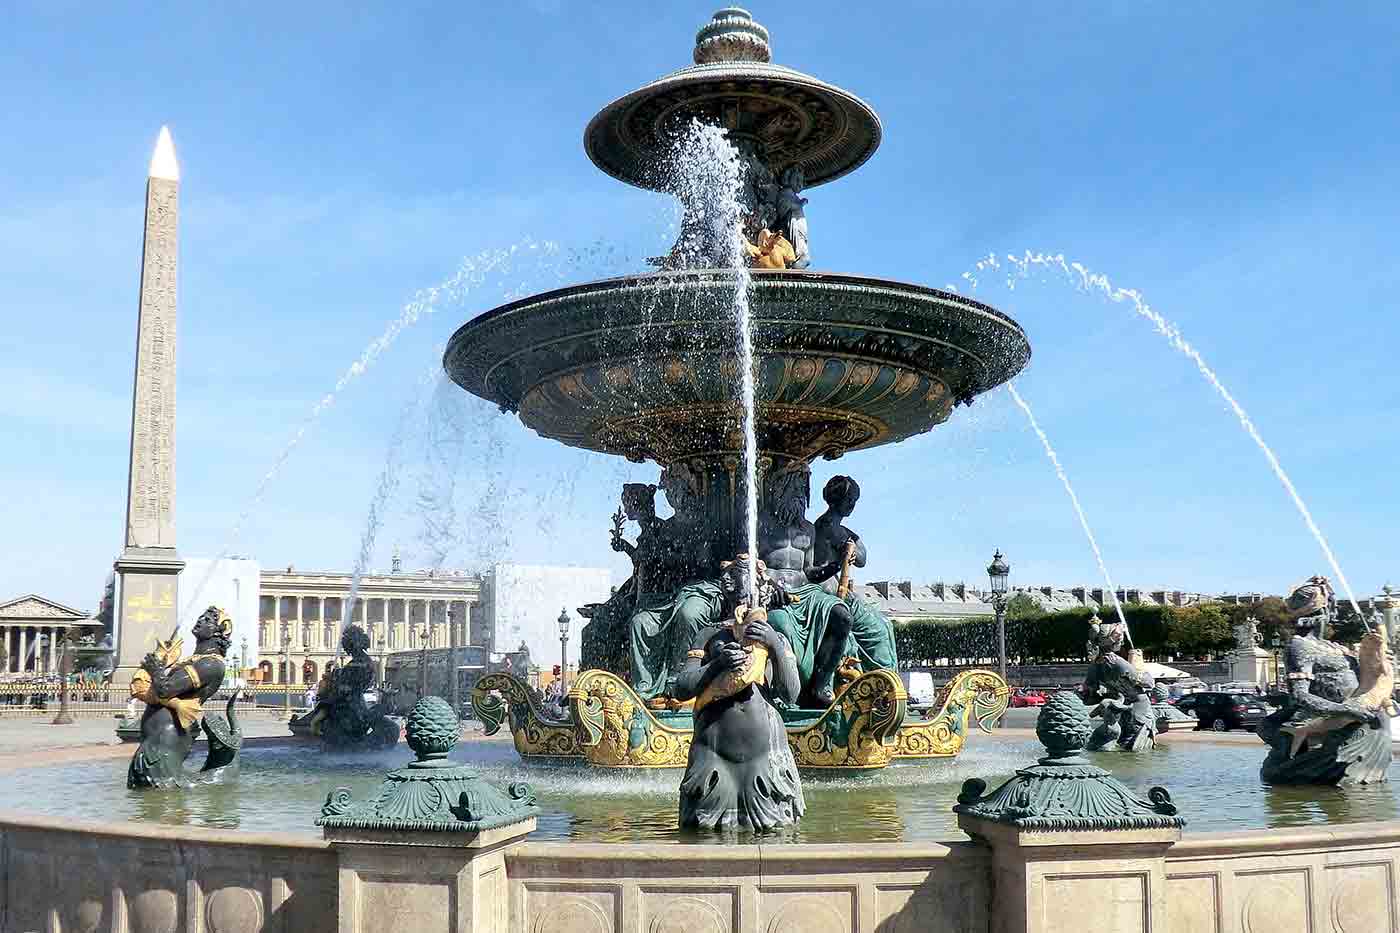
[[433, 793], [1063, 791], [174, 692], [341, 718]]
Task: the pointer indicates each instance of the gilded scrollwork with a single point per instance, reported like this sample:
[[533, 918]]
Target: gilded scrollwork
[[498, 696], [977, 697], [616, 730], [858, 730]]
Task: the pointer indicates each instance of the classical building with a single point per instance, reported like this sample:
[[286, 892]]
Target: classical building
[[300, 614], [32, 628]]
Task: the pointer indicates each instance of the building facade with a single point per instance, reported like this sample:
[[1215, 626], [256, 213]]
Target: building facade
[[31, 630], [300, 616]]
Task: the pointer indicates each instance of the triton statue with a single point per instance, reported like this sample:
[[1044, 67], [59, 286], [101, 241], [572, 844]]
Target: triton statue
[[174, 692], [1334, 727], [341, 718], [1120, 693], [740, 773]]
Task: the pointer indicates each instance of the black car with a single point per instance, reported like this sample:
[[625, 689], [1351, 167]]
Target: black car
[[1222, 712]]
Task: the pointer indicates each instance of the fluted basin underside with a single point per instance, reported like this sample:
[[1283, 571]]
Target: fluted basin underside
[[646, 366]]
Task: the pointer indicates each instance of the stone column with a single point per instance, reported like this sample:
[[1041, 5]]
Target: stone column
[[1073, 849], [149, 565], [279, 637], [428, 851], [52, 664], [24, 649], [9, 647]]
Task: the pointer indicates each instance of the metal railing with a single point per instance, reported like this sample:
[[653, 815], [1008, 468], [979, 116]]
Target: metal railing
[[36, 695]]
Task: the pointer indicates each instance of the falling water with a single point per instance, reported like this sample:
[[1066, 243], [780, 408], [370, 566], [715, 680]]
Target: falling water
[[709, 178], [470, 275], [1086, 280], [1074, 500], [388, 482]]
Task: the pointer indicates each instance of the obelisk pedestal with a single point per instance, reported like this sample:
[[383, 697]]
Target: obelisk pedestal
[[149, 567]]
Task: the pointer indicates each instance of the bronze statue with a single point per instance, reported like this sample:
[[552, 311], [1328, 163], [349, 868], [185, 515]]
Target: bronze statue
[[835, 550], [1334, 727], [791, 221], [1120, 693], [740, 773], [341, 718], [174, 692]]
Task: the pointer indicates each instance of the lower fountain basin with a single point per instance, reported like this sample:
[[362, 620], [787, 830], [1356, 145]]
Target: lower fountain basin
[[646, 366], [281, 789]]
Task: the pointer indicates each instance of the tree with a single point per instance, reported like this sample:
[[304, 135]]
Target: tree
[[1021, 606]]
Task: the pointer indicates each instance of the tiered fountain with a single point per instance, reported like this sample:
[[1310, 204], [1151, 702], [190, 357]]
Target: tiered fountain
[[647, 367]]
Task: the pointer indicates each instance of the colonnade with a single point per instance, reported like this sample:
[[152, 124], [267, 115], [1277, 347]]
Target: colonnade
[[32, 647], [302, 628]]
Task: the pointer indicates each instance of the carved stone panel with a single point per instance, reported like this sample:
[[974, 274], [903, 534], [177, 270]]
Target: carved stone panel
[[1195, 903], [1074, 903], [552, 910], [398, 903], [1361, 898], [807, 911], [684, 910], [1275, 902]]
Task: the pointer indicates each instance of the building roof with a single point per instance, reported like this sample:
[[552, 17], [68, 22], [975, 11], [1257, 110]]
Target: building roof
[[33, 608]]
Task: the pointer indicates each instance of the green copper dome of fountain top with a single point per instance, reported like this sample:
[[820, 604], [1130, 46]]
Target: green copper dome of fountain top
[[645, 366], [789, 118]]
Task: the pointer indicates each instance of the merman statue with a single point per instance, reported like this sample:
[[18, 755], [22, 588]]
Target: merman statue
[[1334, 726], [174, 692], [1120, 693], [740, 773], [341, 718]]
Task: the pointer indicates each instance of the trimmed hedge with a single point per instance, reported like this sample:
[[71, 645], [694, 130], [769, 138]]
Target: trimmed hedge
[[1188, 631]]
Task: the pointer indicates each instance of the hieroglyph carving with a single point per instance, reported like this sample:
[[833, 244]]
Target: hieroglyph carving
[[150, 518]]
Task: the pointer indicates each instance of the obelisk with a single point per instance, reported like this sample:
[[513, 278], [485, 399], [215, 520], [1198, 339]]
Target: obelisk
[[149, 567]]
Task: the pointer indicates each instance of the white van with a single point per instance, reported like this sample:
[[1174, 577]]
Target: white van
[[919, 686]]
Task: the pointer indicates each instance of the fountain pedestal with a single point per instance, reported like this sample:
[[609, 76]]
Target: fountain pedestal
[[429, 851]]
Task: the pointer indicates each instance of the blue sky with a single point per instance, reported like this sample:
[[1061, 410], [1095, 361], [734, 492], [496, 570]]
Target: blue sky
[[1238, 166]]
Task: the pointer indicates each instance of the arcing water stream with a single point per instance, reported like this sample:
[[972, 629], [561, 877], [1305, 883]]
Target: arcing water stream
[[470, 275], [1089, 281], [1074, 500]]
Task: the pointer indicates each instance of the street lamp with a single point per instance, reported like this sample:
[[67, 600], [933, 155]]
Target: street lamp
[[997, 572], [383, 671], [423, 661], [287, 674], [563, 649], [242, 662], [65, 665], [452, 655]]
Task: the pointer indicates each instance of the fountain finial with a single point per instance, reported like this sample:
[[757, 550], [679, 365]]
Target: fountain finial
[[732, 35]]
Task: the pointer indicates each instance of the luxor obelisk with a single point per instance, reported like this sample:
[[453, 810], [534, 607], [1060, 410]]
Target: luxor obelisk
[[149, 567]]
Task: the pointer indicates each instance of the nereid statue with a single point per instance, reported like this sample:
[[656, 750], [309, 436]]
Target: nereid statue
[[341, 716], [740, 773], [174, 692], [1334, 726], [1120, 693]]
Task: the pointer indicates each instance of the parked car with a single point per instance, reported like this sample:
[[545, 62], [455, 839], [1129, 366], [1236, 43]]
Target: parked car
[[1222, 712], [1024, 697]]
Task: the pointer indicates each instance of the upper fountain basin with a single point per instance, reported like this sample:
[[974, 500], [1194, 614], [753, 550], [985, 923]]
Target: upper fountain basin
[[646, 366]]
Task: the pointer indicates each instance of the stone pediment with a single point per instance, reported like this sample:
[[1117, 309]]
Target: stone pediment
[[37, 607]]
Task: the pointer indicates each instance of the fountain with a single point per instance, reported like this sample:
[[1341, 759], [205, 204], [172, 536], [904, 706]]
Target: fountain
[[654, 367]]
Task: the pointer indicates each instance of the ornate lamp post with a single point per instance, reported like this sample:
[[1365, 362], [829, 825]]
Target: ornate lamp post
[[423, 634], [563, 649], [287, 674], [65, 666], [242, 662], [997, 572], [383, 670], [452, 656]]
